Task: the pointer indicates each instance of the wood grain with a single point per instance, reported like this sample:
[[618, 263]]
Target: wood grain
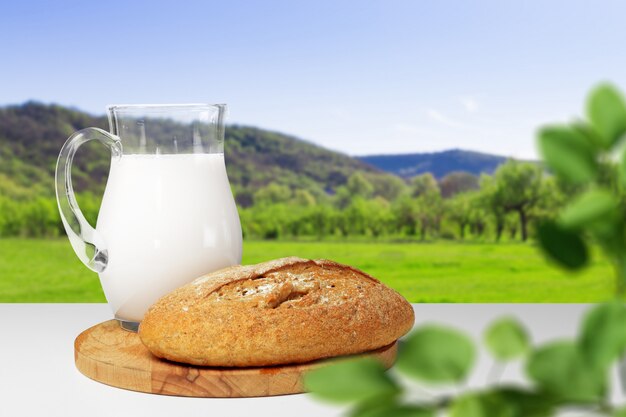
[[113, 356]]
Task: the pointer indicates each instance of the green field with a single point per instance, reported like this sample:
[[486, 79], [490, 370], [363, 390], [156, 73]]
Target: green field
[[40, 270]]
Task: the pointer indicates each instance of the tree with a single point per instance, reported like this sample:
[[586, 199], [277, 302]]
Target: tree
[[342, 197], [359, 186], [478, 216], [378, 216], [553, 197], [405, 213], [459, 210], [356, 187], [424, 184], [388, 187], [429, 207], [511, 225], [518, 189], [303, 198], [355, 216], [457, 182], [12, 217], [321, 219], [243, 196], [272, 194], [272, 221], [489, 198]]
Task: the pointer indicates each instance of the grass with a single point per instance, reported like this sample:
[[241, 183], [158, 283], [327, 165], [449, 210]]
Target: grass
[[38, 270]]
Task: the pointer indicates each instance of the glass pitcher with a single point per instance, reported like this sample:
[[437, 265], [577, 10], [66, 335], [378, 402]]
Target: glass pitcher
[[167, 216]]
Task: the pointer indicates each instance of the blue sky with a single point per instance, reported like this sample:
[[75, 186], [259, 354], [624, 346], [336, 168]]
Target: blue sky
[[361, 77]]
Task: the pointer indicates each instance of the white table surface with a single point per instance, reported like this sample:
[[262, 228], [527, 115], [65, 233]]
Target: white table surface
[[38, 377]]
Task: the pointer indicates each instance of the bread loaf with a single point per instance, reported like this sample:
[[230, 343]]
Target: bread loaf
[[288, 310]]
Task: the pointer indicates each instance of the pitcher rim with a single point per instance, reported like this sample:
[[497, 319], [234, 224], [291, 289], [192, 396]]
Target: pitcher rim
[[175, 106]]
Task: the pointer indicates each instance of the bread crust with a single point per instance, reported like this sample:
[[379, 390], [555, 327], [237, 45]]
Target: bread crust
[[288, 310]]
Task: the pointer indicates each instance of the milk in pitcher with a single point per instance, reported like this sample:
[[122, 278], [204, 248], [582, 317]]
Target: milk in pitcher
[[166, 220]]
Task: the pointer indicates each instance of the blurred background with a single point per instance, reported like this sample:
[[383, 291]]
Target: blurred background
[[394, 136]]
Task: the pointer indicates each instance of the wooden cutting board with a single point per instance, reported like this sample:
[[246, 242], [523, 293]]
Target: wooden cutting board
[[116, 357]]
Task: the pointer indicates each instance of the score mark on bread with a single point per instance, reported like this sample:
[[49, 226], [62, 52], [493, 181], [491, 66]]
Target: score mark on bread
[[288, 310]]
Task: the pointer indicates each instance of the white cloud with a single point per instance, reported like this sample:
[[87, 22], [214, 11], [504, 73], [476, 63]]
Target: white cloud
[[469, 103], [444, 120]]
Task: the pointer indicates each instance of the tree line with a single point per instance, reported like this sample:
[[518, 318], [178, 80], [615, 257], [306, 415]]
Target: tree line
[[505, 205]]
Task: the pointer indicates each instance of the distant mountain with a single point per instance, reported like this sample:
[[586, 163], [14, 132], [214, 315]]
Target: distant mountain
[[32, 134], [437, 163]]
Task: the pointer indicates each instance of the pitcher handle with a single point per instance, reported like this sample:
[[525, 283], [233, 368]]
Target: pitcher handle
[[86, 241]]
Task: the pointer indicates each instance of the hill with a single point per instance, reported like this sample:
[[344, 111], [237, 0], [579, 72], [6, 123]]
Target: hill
[[32, 134], [437, 163]]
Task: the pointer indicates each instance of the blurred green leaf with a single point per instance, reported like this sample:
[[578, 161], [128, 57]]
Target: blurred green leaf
[[603, 334], [604, 227], [621, 412], [589, 132], [564, 246], [436, 354], [351, 381], [560, 369], [481, 405], [526, 403], [392, 410], [590, 206], [622, 169], [503, 402], [607, 113], [506, 339], [568, 153]]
